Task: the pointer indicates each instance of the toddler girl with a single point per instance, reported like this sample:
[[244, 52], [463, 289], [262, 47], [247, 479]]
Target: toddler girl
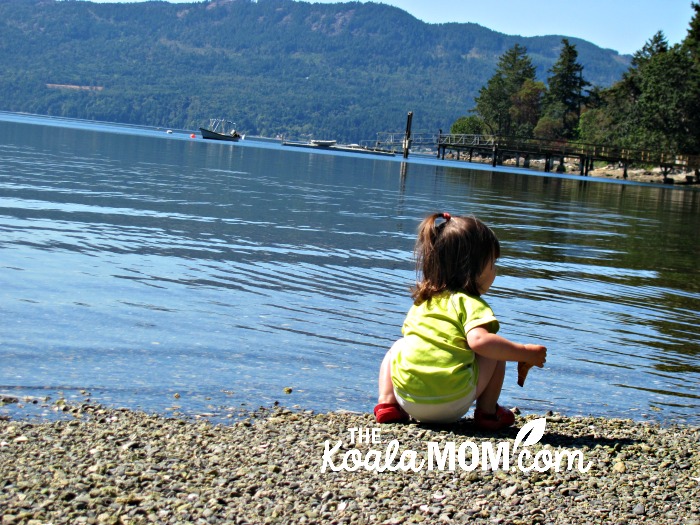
[[450, 354]]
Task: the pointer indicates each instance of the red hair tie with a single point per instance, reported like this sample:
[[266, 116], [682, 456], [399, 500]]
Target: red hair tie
[[446, 216]]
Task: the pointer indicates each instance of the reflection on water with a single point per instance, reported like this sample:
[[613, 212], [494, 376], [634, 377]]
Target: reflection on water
[[138, 264]]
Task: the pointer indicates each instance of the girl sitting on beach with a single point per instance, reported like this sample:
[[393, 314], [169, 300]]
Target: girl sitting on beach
[[450, 354]]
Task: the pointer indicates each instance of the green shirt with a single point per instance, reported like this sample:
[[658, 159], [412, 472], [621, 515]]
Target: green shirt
[[435, 363]]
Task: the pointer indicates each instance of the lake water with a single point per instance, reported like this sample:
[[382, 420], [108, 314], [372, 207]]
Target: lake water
[[137, 265]]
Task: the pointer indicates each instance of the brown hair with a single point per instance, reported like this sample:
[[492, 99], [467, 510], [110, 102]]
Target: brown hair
[[451, 254]]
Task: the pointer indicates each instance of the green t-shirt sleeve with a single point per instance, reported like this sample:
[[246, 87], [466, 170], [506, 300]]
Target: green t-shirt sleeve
[[473, 312]]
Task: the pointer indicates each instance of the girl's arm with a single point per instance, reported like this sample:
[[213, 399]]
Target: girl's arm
[[499, 348]]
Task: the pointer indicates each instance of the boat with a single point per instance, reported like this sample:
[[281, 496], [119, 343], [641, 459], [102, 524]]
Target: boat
[[356, 148], [332, 146], [323, 143], [221, 129]]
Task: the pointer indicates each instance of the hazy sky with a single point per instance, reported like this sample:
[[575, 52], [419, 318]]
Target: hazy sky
[[622, 25]]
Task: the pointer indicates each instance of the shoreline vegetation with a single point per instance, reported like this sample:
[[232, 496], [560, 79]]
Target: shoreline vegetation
[[610, 171], [118, 466]]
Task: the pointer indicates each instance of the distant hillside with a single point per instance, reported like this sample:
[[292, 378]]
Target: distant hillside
[[342, 71]]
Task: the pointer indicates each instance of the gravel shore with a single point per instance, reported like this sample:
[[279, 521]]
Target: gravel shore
[[110, 466]]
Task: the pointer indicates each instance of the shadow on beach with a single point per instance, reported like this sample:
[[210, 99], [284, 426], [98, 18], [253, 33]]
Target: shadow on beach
[[555, 436]]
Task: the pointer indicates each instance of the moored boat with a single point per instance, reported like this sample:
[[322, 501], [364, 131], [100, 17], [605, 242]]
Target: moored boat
[[221, 129], [332, 146], [323, 143]]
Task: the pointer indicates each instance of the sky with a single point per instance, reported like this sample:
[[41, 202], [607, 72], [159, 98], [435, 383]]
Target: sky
[[622, 25]]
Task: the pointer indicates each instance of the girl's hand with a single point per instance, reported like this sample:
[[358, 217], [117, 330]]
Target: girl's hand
[[538, 353], [535, 355]]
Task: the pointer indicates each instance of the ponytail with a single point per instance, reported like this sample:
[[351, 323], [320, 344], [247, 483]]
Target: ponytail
[[451, 252]]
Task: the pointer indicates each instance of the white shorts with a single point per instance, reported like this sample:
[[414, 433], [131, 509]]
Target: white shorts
[[435, 413]]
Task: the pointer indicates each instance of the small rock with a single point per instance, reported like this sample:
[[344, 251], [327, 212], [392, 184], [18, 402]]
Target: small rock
[[639, 510], [619, 467], [509, 491], [473, 476]]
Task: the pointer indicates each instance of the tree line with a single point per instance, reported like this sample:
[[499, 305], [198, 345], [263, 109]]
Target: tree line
[[276, 67], [655, 106]]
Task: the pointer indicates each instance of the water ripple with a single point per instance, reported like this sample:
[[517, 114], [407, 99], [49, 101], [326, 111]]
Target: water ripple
[[137, 266]]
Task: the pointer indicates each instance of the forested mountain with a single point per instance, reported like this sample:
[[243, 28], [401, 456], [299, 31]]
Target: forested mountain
[[342, 71]]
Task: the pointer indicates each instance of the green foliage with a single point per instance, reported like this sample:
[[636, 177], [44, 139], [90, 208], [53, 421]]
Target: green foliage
[[343, 71], [514, 103], [691, 47], [664, 109], [595, 126], [551, 125], [526, 107], [469, 125], [691, 44], [656, 105]]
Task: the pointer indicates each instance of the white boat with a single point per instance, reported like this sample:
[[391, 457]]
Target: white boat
[[323, 143], [332, 146]]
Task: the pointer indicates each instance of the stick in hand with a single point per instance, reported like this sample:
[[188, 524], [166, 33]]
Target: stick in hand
[[523, 369]]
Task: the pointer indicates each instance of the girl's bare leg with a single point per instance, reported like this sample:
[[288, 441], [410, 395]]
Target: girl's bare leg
[[386, 387], [490, 383]]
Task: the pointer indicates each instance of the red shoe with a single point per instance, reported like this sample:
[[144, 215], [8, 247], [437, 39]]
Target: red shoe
[[390, 413], [503, 418]]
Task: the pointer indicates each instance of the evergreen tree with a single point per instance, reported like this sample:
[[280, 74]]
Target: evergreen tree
[[691, 46], [667, 102], [692, 40], [495, 100], [656, 105], [565, 96], [622, 121]]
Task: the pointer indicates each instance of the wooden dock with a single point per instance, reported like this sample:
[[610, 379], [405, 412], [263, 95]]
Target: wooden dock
[[499, 148]]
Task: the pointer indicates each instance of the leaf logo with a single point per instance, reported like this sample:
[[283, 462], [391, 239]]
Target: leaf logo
[[531, 433]]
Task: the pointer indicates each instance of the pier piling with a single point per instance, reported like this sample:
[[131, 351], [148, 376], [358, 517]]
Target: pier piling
[[407, 137]]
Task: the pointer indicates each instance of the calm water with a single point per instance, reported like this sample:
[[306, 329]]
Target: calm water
[[137, 264]]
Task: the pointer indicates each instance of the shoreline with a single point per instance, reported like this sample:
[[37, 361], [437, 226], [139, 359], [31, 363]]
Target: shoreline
[[655, 176], [57, 406], [650, 176], [118, 466]]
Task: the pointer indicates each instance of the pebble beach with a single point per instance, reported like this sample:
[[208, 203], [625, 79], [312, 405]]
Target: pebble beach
[[277, 465]]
